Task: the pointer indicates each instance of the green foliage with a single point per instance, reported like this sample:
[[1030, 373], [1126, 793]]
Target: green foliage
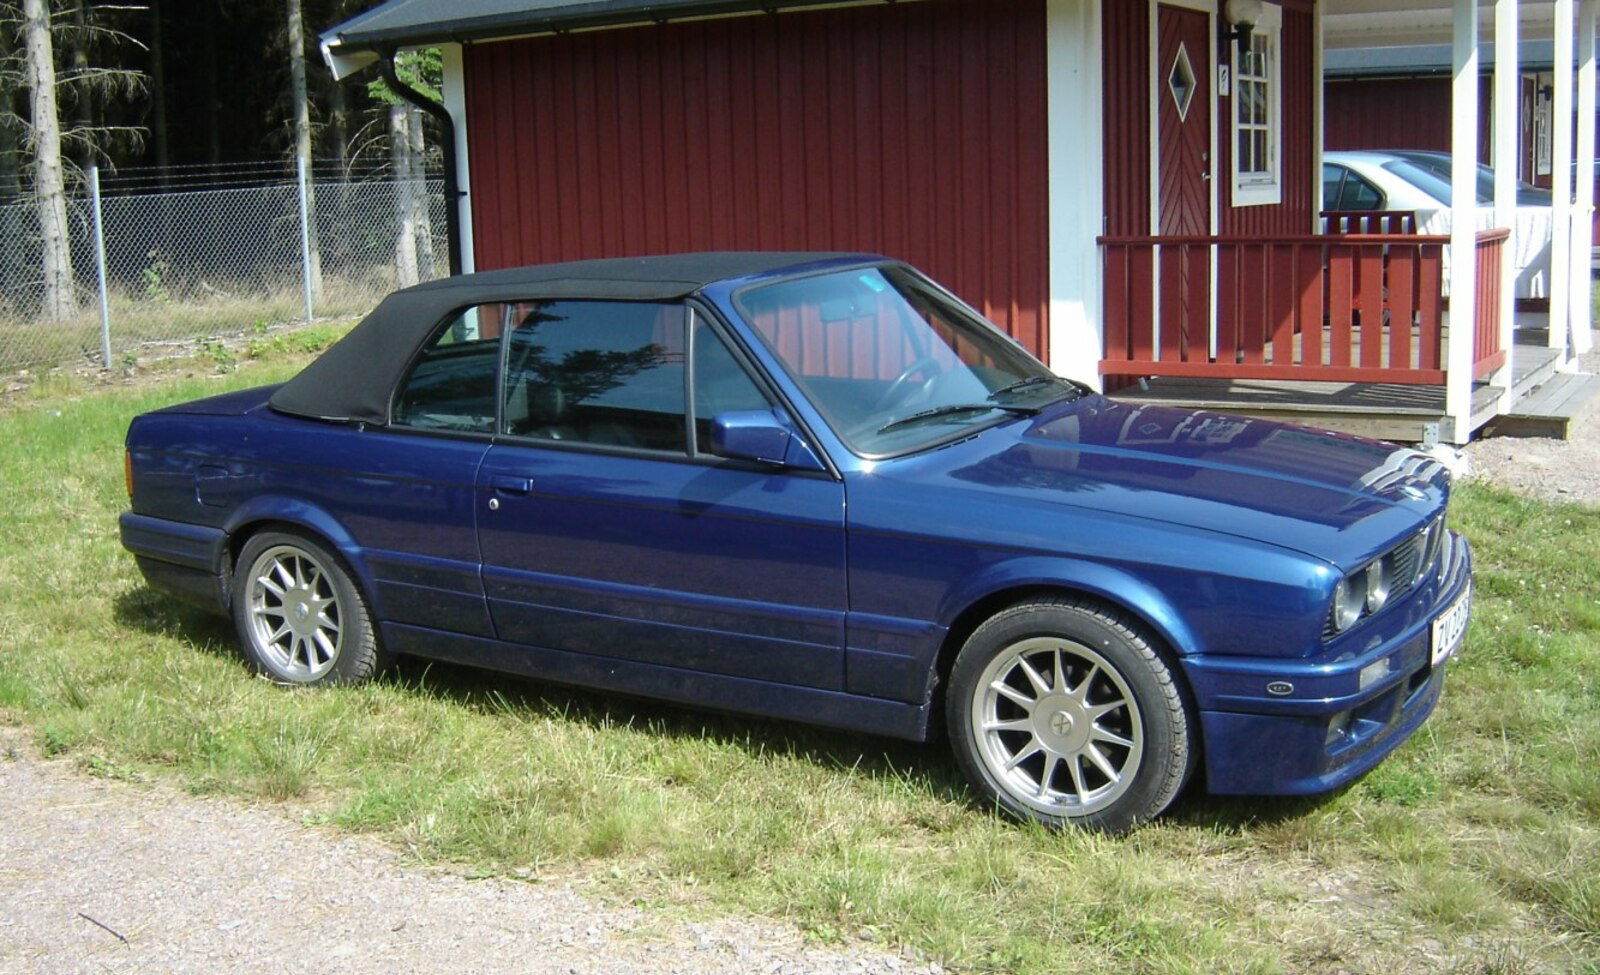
[[1475, 848], [422, 70]]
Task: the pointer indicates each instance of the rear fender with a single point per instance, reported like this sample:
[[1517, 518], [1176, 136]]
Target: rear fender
[[305, 516]]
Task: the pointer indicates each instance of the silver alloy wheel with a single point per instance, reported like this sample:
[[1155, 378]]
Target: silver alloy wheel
[[1057, 726], [295, 619]]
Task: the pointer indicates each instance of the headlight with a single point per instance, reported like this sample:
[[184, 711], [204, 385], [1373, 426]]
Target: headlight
[[1349, 599], [1377, 584]]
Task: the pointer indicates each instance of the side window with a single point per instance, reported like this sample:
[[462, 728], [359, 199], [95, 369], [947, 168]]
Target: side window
[[597, 372], [721, 385], [451, 386], [1360, 195], [1332, 178]]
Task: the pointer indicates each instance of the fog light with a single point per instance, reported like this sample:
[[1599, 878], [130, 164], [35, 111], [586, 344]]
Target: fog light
[[1337, 727], [1374, 672]]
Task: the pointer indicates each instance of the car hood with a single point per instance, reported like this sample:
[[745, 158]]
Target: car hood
[[1333, 496]]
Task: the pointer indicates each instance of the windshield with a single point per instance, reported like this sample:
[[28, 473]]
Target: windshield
[[891, 362]]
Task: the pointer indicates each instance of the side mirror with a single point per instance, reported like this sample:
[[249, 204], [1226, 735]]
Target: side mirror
[[764, 436]]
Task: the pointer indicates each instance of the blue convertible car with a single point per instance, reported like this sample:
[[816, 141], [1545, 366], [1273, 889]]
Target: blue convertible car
[[817, 487]]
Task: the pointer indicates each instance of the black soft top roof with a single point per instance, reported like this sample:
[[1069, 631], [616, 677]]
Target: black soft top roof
[[353, 379]]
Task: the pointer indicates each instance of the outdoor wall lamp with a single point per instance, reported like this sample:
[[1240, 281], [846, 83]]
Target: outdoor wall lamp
[[1242, 16]]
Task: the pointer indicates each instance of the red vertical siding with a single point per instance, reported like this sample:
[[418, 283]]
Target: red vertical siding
[[1125, 83], [915, 130], [1295, 214], [1397, 113]]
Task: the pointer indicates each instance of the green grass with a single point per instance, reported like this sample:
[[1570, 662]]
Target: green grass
[[1475, 848]]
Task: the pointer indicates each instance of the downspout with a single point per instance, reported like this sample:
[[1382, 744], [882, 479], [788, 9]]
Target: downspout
[[452, 182]]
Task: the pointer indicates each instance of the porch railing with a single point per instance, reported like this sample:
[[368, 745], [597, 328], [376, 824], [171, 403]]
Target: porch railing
[[1487, 353], [1333, 308]]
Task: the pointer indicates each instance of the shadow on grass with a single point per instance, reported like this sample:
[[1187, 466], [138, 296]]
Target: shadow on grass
[[929, 765], [144, 609]]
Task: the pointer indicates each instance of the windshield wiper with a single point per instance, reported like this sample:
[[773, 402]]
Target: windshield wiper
[[1021, 384], [954, 408]]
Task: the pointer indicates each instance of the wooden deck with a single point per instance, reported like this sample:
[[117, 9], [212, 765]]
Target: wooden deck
[[1404, 413]]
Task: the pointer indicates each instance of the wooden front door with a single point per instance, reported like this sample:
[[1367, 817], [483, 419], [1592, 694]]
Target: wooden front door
[[1183, 121]]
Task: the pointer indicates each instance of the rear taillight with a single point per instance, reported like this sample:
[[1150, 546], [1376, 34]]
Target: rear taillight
[[127, 472]]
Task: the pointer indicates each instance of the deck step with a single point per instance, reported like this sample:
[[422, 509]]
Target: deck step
[[1553, 409]]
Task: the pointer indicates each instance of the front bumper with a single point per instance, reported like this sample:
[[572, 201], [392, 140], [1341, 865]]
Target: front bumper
[[1326, 719]]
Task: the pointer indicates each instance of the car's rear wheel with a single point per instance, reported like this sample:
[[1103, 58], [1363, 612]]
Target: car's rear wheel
[[1063, 712], [299, 614]]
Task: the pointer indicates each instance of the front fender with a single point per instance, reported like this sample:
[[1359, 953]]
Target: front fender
[[1107, 583]]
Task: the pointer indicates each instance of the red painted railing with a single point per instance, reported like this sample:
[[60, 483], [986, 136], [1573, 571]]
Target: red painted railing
[[1487, 355], [1335, 308]]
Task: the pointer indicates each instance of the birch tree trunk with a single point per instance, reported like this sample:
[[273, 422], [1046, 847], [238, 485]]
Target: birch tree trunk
[[405, 238], [302, 136], [421, 218], [56, 253]]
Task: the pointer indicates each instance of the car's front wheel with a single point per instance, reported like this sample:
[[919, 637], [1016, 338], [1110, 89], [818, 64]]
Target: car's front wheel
[[1062, 712], [299, 614]]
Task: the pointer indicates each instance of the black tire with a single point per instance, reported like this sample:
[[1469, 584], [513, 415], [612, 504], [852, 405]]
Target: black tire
[[1062, 712], [301, 619]]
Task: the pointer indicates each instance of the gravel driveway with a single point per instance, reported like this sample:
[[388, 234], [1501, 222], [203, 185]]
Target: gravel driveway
[[100, 876]]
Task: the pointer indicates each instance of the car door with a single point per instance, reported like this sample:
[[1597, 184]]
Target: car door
[[606, 529]]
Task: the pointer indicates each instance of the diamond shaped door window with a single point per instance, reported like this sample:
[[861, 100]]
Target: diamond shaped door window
[[1181, 82]]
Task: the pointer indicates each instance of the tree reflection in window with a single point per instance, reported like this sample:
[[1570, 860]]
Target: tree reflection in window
[[602, 372]]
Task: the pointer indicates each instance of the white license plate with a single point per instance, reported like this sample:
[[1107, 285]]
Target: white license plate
[[1451, 626]]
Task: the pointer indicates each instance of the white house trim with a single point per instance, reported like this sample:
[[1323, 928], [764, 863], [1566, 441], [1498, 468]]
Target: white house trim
[[455, 102], [1463, 222], [1561, 178], [1582, 321], [1076, 151]]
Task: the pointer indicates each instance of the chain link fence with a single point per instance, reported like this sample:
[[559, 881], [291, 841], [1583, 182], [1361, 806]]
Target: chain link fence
[[192, 260]]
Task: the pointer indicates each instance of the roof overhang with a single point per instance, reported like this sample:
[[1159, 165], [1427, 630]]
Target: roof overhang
[[360, 41], [1403, 23], [1424, 60]]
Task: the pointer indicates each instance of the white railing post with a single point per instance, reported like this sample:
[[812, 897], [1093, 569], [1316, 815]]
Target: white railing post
[[1507, 97], [1561, 263], [305, 234], [100, 265], [1463, 221], [1583, 206]]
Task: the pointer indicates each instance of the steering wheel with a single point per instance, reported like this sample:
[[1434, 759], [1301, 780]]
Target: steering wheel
[[899, 387]]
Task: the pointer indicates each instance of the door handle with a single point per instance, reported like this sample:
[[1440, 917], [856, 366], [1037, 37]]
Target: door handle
[[507, 484]]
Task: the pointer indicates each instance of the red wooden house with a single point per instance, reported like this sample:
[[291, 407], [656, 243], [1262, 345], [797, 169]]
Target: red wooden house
[[1129, 187]]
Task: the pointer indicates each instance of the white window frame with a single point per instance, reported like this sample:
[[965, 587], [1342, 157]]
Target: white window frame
[[1260, 188]]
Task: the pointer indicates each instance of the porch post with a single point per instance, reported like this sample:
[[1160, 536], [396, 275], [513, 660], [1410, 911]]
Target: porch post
[[1583, 208], [1507, 152], [1074, 143], [1561, 182], [1463, 220]]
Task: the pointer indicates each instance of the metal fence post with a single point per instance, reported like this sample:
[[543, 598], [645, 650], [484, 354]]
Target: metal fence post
[[100, 265], [305, 235]]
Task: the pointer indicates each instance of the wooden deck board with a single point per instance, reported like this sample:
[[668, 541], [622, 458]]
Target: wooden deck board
[[1385, 410]]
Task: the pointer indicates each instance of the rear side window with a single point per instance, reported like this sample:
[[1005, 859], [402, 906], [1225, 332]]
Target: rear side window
[[597, 372], [451, 385]]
